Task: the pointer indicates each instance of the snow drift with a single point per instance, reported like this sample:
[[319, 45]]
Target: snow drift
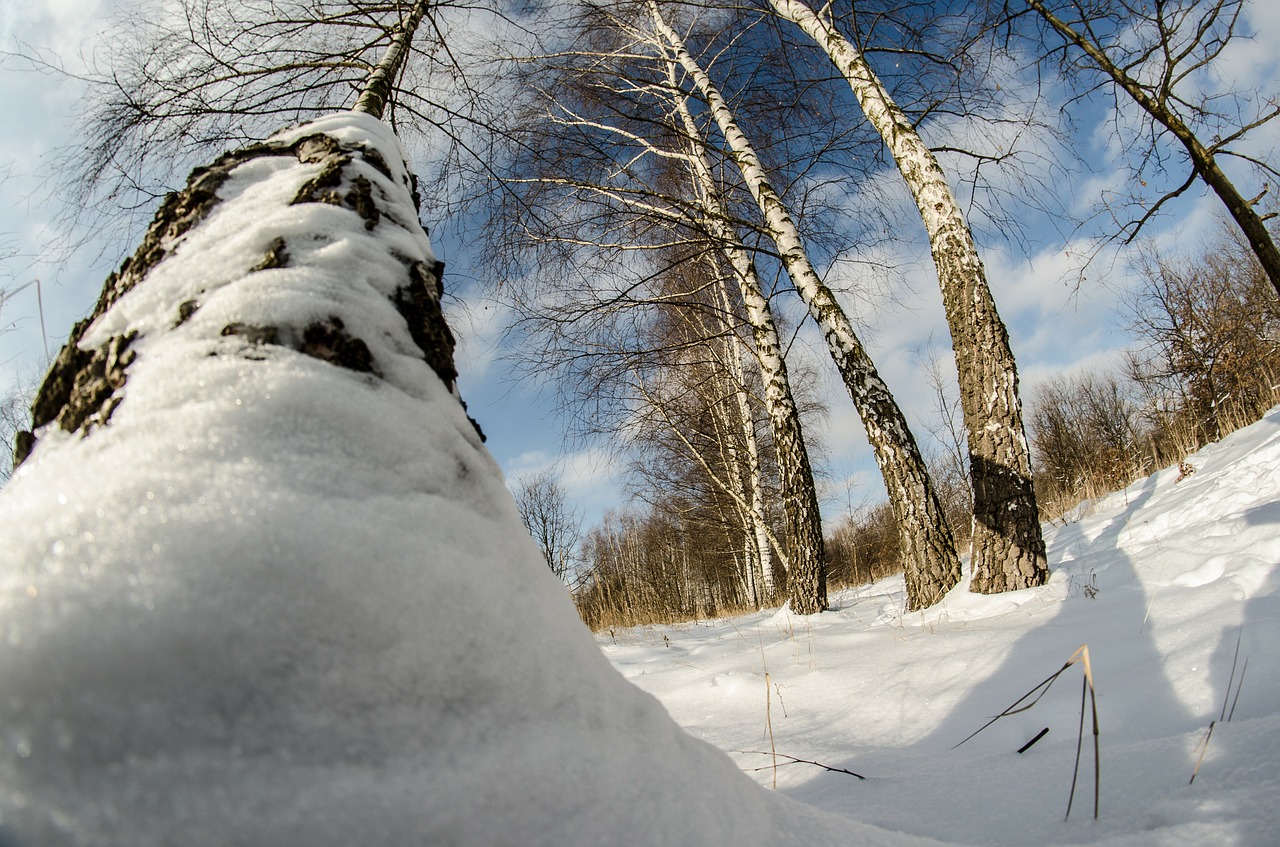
[[266, 587]]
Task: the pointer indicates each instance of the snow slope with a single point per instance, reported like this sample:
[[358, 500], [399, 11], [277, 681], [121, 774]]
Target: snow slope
[[1160, 581], [278, 602]]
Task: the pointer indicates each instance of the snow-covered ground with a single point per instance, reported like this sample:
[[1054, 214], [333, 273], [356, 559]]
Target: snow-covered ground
[[1160, 581]]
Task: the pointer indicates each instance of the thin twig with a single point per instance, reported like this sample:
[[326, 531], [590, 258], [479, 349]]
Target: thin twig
[[1017, 705], [1041, 734], [792, 760], [44, 336]]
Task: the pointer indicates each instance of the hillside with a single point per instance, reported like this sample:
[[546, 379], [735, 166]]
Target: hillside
[[1160, 581]]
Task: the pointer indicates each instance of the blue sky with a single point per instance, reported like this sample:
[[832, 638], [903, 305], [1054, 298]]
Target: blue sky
[[1056, 325]]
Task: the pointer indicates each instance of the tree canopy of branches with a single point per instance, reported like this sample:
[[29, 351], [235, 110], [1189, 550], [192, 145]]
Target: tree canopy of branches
[[553, 522], [1211, 336], [1206, 362], [188, 78], [1159, 57]]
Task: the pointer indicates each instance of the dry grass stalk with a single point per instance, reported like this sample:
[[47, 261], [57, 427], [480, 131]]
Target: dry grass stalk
[[1224, 715], [768, 720], [1088, 692]]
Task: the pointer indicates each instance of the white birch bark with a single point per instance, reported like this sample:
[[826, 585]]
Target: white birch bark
[[736, 383], [735, 436], [1008, 550], [928, 549], [376, 94]]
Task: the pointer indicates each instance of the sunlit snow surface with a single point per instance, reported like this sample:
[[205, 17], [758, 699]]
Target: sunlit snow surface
[[1159, 580], [276, 602]]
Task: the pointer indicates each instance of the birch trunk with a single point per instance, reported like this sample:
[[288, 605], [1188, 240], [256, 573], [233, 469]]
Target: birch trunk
[[746, 421], [378, 88], [806, 548], [932, 566], [740, 456], [1008, 550]]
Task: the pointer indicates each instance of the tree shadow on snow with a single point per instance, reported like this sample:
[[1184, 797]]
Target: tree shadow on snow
[[933, 787]]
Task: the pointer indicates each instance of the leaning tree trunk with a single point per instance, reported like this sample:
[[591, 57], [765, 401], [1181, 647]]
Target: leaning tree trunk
[[932, 566], [379, 86], [1008, 550]]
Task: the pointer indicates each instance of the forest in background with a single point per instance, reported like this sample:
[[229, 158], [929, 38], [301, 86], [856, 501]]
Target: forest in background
[[1210, 365]]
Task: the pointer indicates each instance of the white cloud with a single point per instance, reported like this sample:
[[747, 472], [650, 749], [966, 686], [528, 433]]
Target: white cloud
[[478, 323]]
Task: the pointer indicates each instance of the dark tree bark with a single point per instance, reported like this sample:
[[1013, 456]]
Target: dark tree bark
[[83, 386]]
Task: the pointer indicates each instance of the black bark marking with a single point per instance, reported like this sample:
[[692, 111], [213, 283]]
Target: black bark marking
[[474, 423], [417, 196], [316, 148], [321, 188], [419, 304], [252, 334], [375, 161], [81, 385], [360, 198], [329, 341], [186, 309], [23, 443]]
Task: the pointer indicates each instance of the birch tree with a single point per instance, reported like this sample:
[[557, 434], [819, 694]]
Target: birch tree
[[553, 523], [617, 150], [1008, 551], [698, 417], [800, 500], [1160, 56], [932, 565], [238, 562], [78, 390]]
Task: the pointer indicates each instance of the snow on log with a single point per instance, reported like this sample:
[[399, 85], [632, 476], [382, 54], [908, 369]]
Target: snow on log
[[261, 583]]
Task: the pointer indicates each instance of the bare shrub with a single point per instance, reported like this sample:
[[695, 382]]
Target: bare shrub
[[658, 567], [1210, 357], [1087, 439], [1207, 363], [863, 548]]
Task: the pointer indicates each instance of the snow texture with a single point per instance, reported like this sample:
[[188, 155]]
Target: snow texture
[[279, 602]]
